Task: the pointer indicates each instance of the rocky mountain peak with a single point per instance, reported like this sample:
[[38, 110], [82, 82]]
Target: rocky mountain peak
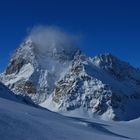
[[34, 69], [107, 61]]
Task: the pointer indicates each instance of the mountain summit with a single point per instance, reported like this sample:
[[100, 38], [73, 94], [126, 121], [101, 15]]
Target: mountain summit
[[61, 78], [33, 71]]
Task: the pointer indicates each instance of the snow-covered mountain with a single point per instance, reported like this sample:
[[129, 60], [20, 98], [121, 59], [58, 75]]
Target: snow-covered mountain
[[63, 79]]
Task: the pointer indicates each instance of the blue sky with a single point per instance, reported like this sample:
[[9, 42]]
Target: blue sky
[[106, 26]]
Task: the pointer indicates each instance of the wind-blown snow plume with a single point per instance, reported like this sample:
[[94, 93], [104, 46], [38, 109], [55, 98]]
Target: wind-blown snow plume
[[51, 38]]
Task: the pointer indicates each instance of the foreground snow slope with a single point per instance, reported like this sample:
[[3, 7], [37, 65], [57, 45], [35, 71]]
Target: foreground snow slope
[[19, 121]]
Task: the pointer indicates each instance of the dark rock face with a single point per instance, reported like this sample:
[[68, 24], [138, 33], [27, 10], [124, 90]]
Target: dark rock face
[[29, 87], [15, 66]]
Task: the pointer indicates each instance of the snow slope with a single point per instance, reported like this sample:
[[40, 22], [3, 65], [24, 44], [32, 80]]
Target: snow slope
[[19, 121]]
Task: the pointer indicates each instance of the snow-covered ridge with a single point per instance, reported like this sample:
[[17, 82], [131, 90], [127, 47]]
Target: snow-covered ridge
[[122, 70]]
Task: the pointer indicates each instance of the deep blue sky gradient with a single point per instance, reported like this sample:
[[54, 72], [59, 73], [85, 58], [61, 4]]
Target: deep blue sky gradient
[[106, 26]]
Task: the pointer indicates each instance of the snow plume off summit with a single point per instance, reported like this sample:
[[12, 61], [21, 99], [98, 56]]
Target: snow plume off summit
[[52, 38]]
